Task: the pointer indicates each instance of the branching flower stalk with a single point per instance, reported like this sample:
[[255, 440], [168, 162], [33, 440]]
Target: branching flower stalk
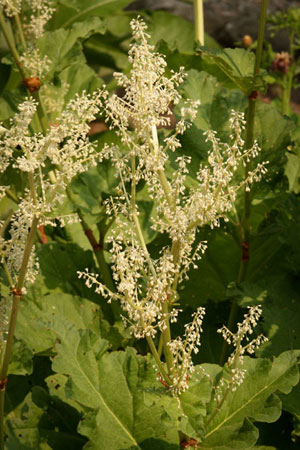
[[233, 374], [244, 226], [33, 66], [65, 146], [147, 287]]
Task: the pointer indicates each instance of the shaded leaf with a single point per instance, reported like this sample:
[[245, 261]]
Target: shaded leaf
[[76, 11], [42, 422], [230, 428], [62, 46], [292, 170], [233, 68]]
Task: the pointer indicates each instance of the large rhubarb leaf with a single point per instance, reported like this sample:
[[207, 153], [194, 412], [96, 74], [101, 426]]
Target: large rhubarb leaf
[[255, 400]]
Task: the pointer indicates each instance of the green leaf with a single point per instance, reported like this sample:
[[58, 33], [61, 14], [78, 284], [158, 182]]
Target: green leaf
[[9, 102], [59, 264], [194, 401], [106, 51], [21, 359], [273, 140], [94, 376], [22, 428], [176, 31], [291, 402], [281, 307], [41, 312], [80, 77], [139, 414], [203, 87], [292, 170], [233, 68], [42, 422], [77, 12], [254, 400], [62, 46], [217, 268], [213, 114]]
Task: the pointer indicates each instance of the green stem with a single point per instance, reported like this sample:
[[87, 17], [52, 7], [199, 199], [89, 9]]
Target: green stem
[[41, 112], [2, 400], [136, 219], [6, 223], [17, 295], [245, 223], [157, 359], [288, 79], [161, 174], [166, 336], [226, 393], [20, 31], [199, 21], [11, 44], [160, 345], [166, 333]]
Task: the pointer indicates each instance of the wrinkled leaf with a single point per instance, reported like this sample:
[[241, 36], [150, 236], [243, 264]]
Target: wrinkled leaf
[[233, 68], [254, 399]]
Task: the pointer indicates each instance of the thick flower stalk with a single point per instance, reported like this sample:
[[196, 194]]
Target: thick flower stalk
[[145, 286]]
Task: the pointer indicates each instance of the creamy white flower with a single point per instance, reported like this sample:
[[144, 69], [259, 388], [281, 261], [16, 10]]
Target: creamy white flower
[[11, 7]]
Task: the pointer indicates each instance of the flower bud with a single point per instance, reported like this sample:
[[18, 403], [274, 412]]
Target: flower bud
[[247, 41], [32, 83], [282, 62]]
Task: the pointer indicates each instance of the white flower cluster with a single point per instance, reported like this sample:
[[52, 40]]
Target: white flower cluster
[[11, 7], [12, 250], [41, 13], [182, 351], [66, 144], [53, 97], [245, 329], [35, 65], [51, 161], [147, 287], [148, 99], [140, 291]]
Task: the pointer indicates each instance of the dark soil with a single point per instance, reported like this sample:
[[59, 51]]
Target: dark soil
[[226, 20]]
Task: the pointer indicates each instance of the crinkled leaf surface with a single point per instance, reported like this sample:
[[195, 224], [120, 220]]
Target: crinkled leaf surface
[[37, 315], [233, 68], [37, 318], [105, 384], [126, 407], [254, 399]]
